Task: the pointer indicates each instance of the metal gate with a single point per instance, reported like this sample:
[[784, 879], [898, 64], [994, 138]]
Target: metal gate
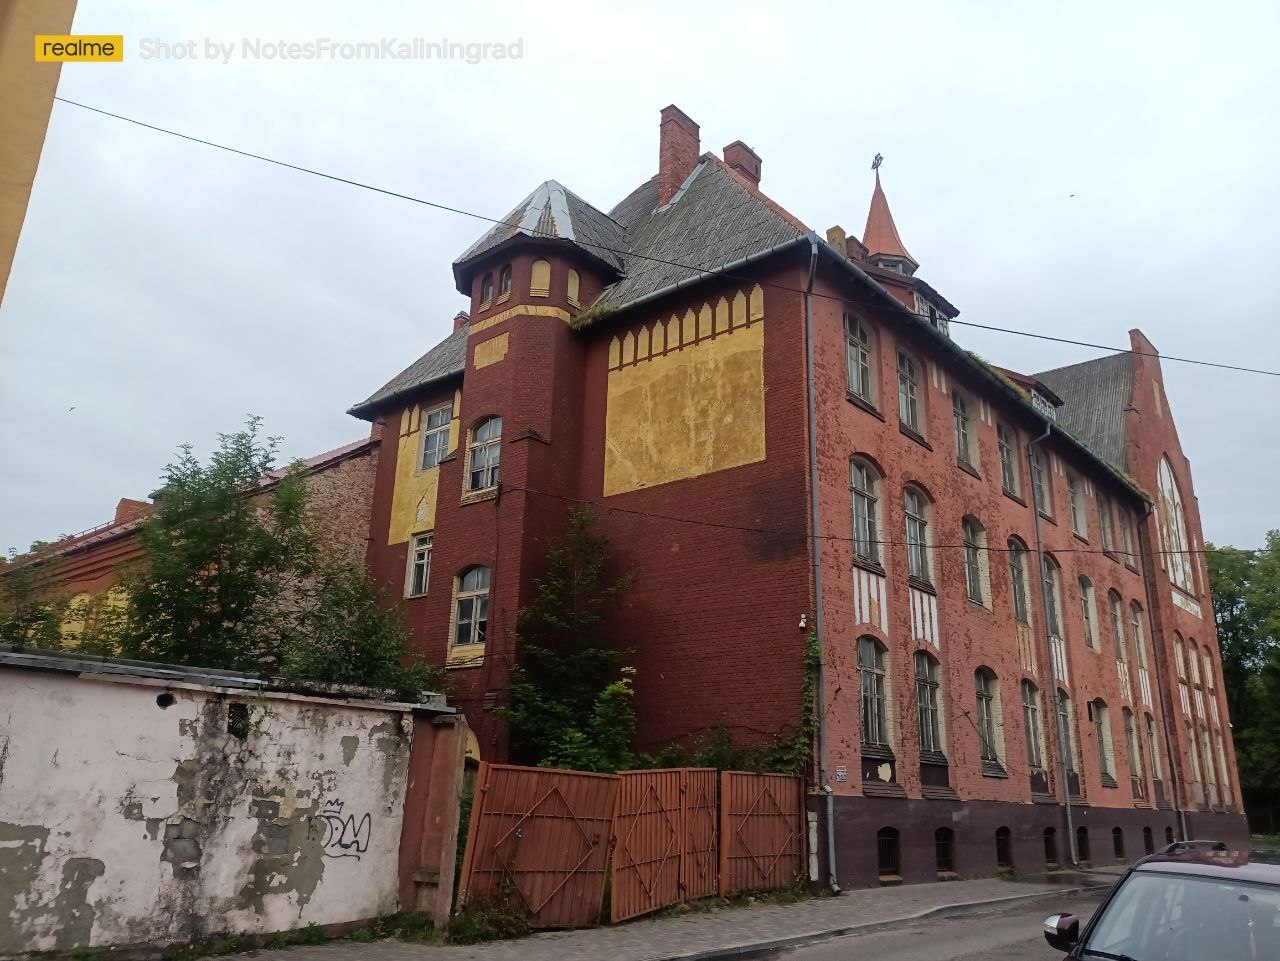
[[761, 831], [541, 836], [664, 837]]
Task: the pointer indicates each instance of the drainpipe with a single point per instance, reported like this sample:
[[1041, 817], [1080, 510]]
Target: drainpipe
[[815, 550], [1175, 781], [1047, 601]]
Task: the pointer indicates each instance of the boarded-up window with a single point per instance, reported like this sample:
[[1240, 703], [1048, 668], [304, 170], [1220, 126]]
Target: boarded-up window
[[572, 290], [540, 279]]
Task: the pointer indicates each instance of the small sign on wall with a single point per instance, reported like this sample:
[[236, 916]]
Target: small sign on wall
[[842, 773]]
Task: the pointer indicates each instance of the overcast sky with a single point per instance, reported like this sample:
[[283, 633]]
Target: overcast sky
[[1071, 169]]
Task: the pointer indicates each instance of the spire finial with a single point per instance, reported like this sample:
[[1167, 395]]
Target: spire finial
[[879, 159]]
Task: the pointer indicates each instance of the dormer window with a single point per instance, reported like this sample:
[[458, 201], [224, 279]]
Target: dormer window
[[486, 291], [504, 281], [937, 319], [1043, 405]]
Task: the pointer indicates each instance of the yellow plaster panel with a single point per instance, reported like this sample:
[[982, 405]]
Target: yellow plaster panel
[[455, 425], [413, 499], [686, 413], [490, 351], [530, 310], [628, 348]]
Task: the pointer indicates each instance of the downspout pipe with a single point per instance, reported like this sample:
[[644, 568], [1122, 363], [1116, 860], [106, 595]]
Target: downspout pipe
[[1174, 780], [816, 553], [1046, 601]]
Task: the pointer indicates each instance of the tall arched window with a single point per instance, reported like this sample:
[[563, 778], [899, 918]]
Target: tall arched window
[[482, 454], [471, 607], [916, 508], [859, 359], [1075, 501], [908, 392], [888, 853], [927, 700], [990, 733], [486, 291], [1173, 529], [1031, 724], [1010, 473], [504, 281], [1041, 494], [1115, 605], [1088, 612], [1052, 577], [1136, 632], [1102, 735], [865, 485], [976, 577], [873, 669], [944, 844], [1018, 578], [1135, 754], [1064, 730], [963, 429], [1153, 746], [540, 279], [571, 291]]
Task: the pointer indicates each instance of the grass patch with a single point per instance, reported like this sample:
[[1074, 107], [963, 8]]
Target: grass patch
[[488, 921]]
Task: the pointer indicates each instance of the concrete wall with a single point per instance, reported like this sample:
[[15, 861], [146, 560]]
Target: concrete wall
[[123, 820]]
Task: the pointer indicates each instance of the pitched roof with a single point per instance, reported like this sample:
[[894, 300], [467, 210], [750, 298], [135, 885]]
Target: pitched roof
[[445, 359], [551, 212], [1094, 396], [881, 233], [716, 218]]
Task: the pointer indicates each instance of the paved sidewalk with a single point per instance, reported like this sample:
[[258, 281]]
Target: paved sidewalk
[[701, 936]]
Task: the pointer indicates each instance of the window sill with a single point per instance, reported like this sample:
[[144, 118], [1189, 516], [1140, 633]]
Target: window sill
[[1043, 799], [1013, 496], [994, 769], [1111, 554], [978, 605], [930, 793], [968, 468], [484, 305], [878, 752], [469, 655], [882, 789], [1049, 517], [871, 567], [1082, 538], [922, 585], [475, 497], [1109, 782], [1132, 567], [933, 757], [918, 438], [859, 401], [504, 298]]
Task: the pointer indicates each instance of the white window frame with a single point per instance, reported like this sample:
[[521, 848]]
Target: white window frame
[[974, 538], [1088, 611], [909, 392], [963, 428], [1075, 500], [1031, 723], [1007, 441], [1041, 492], [874, 692], [859, 359], [986, 686], [917, 522], [1018, 578], [928, 701], [864, 489], [484, 454], [476, 601], [419, 559], [436, 426]]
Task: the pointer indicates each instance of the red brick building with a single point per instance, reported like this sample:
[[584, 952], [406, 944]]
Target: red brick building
[[1018, 653]]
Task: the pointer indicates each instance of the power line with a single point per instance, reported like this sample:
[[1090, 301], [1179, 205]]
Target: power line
[[630, 253]]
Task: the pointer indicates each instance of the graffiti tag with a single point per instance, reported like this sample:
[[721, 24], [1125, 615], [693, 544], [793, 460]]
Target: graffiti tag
[[341, 835]]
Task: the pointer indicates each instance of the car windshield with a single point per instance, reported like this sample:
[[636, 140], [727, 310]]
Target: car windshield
[[1177, 917]]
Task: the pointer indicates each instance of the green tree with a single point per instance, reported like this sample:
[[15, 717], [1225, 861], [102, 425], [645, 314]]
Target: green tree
[[571, 694], [30, 612], [1246, 607]]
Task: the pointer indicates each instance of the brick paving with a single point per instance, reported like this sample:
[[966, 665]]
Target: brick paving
[[699, 935]]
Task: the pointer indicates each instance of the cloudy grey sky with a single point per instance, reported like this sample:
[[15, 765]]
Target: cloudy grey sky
[[1072, 168]]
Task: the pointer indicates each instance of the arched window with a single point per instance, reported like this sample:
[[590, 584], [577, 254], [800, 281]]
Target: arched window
[[875, 692], [976, 577], [1117, 842], [1041, 494], [540, 279], [865, 486], [1018, 578], [504, 281], [1010, 473], [1088, 612], [1173, 529], [1153, 745], [944, 843], [1106, 523], [990, 734], [1148, 841], [1207, 660], [927, 688], [572, 289], [471, 607], [1179, 656], [482, 454], [1075, 501], [1193, 661], [1168, 835], [1135, 630], [1050, 848], [486, 291], [1102, 735], [1004, 848], [1052, 576], [916, 508], [908, 393], [859, 359], [1031, 724], [1117, 624], [963, 430], [889, 852], [1082, 843], [1064, 730]]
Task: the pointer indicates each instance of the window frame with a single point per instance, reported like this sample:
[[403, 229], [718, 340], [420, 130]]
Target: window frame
[[928, 703], [874, 693], [1075, 504], [917, 527], [1010, 463], [1115, 609], [963, 430], [1031, 724], [1062, 709], [419, 556], [973, 536], [1051, 590], [986, 686], [477, 600], [859, 357], [504, 281], [489, 447], [1018, 554], [486, 290], [909, 399], [1088, 611], [439, 434], [866, 510], [1041, 483]]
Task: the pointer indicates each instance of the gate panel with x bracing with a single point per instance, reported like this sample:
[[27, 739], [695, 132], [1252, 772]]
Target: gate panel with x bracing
[[540, 837], [664, 837], [761, 831]]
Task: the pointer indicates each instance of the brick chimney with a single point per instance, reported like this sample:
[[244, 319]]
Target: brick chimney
[[744, 160], [678, 152], [460, 320], [128, 509]]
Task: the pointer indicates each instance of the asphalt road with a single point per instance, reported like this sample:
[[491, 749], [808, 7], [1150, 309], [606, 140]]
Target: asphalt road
[[1010, 935]]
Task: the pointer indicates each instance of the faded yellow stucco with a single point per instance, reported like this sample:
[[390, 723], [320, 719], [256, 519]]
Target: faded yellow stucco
[[692, 409], [89, 613], [490, 351], [413, 498], [529, 310]]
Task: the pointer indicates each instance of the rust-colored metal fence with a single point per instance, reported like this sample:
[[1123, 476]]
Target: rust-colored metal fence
[[761, 831], [664, 840], [541, 836]]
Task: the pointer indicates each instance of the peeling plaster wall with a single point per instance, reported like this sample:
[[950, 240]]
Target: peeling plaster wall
[[122, 821]]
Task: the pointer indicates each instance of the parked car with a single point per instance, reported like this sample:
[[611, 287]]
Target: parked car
[[1194, 901]]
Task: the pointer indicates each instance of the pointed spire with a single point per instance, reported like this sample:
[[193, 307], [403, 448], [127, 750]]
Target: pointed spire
[[881, 235]]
